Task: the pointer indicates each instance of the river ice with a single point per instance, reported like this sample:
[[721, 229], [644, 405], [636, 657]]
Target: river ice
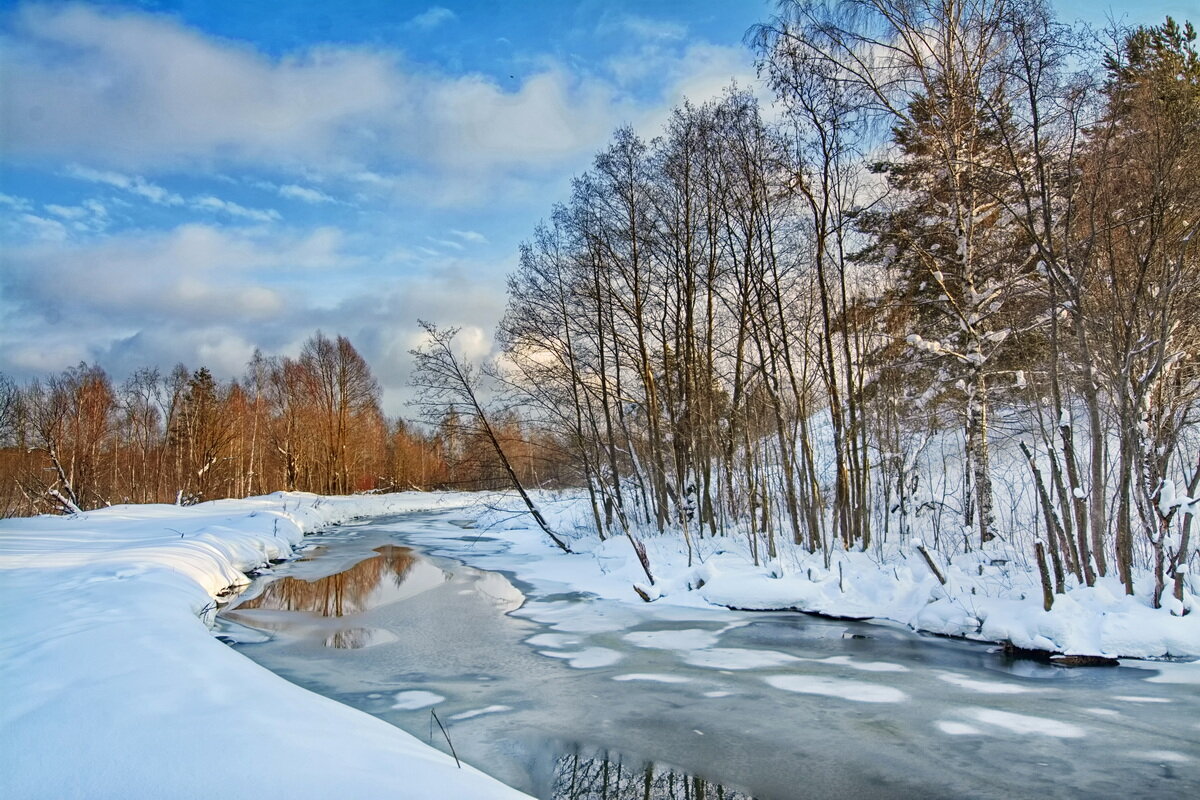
[[760, 702]]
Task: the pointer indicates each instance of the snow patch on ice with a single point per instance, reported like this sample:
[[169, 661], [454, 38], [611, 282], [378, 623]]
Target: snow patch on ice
[[587, 658], [1103, 712], [1162, 755], [834, 687], [656, 677], [737, 658], [865, 666], [1026, 723], [479, 712], [1169, 672], [689, 639], [984, 687], [552, 640], [416, 698], [575, 617]]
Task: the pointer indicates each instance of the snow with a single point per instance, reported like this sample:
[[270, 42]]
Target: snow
[[1162, 755], [1026, 724], [983, 687], [479, 712], [552, 640], [656, 677], [737, 658], [865, 666], [417, 698], [587, 658], [991, 594], [115, 687], [1103, 712], [836, 687], [1137, 699], [1169, 673], [690, 639]]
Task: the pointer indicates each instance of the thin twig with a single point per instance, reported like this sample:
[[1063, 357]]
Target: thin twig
[[439, 722]]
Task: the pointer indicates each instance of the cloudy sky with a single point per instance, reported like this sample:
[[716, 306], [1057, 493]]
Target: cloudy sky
[[185, 181]]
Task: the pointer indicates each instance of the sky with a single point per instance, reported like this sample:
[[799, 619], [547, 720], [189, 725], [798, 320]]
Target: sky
[[187, 181]]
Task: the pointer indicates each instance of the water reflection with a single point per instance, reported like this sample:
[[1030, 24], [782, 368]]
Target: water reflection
[[608, 777], [357, 638], [347, 592]]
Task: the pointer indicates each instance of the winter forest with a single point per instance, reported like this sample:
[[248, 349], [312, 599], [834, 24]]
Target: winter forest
[[942, 285]]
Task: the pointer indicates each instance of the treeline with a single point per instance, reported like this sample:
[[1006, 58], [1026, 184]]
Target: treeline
[[757, 320], [75, 441]]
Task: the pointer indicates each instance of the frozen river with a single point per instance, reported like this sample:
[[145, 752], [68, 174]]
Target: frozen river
[[566, 695]]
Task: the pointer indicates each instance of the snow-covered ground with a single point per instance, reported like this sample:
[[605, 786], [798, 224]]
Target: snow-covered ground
[[991, 594], [111, 684]]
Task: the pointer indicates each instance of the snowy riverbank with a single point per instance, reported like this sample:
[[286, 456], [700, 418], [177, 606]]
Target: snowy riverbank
[[113, 685], [991, 595]]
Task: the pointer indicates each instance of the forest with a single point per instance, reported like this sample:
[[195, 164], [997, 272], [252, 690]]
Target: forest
[[957, 222], [942, 283], [76, 441]]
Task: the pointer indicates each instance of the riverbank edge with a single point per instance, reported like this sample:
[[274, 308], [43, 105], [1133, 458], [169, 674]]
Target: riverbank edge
[[985, 596]]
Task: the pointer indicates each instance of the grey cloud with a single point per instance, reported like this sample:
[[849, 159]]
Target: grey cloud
[[199, 295]]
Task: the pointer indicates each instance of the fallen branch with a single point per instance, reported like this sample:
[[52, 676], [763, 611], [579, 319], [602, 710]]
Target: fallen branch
[[937, 573]]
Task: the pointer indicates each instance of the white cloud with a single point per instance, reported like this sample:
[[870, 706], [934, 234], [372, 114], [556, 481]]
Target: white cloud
[[210, 203], [15, 203], [646, 28], [197, 272], [134, 184], [304, 194], [91, 216], [432, 18], [474, 237], [67, 212], [140, 187], [34, 227], [131, 89], [128, 92]]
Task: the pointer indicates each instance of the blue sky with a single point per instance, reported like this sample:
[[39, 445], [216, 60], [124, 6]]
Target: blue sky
[[185, 181]]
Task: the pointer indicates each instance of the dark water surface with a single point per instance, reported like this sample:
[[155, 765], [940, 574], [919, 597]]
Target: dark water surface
[[564, 695]]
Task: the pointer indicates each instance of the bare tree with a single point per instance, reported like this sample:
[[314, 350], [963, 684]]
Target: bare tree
[[445, 380]]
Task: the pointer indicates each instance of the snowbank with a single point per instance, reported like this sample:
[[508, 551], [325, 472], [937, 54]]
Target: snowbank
[[990, 594], [113, 686]]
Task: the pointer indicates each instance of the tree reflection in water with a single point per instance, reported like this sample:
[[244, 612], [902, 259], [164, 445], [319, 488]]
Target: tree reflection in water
[[338, 595], [578, 777]]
